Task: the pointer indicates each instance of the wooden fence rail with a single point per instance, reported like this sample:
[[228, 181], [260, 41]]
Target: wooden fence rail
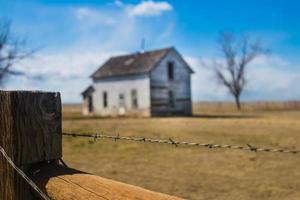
[[31, 135]]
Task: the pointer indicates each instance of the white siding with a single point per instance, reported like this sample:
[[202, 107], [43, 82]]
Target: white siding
[[180, 85], [116, 86]]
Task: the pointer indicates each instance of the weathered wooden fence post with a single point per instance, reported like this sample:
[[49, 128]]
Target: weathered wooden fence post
[[30, 132]]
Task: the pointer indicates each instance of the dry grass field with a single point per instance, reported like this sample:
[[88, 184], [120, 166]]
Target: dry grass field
[[194, 172]]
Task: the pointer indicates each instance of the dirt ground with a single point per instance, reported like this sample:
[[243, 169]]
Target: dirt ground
[[194, 172]]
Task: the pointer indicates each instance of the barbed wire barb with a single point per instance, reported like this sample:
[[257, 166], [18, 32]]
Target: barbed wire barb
[[173, 142], [252, 148]]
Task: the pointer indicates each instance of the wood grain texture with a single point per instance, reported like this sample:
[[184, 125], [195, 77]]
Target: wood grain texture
[[62, 183], [30, 125]]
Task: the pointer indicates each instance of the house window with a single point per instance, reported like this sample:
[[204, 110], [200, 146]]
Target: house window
[[171, 98], [121, 100], [134, 99], [105, 100], [170, 70], [90, 103]]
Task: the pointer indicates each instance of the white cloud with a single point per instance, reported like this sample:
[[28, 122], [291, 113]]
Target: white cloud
[[94, 17], [150, 8], [124, 31], [118, 3], [276, 81], [273, 77], [204, 85], [270, 77], [82, 12], [67, 72]]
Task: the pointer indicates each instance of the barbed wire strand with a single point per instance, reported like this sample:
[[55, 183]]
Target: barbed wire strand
[[176, 143], [23, 175]]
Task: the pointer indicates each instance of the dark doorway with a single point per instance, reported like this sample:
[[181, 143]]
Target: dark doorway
[[105, 100], [90, 103]]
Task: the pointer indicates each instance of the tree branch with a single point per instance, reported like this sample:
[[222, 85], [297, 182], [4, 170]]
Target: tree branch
[[237, 56], [12, 50]]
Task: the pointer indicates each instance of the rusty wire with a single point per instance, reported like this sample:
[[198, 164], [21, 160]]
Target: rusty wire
[[177, 143], [23, 175]]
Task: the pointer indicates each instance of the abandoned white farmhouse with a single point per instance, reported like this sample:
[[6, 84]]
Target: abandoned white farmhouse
[[153, 83]]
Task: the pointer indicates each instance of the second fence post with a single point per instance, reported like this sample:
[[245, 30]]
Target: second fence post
[[30, 133]]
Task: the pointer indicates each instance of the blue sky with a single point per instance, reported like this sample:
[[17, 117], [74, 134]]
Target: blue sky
[[75, 37]]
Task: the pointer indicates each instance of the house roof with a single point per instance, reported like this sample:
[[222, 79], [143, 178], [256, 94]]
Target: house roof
[[90, 89], [132, 64]]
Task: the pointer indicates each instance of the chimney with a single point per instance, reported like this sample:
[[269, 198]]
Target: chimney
[[143, 45]]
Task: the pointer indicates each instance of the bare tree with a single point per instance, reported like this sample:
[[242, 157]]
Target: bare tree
[[237, 54], [12, 50]]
